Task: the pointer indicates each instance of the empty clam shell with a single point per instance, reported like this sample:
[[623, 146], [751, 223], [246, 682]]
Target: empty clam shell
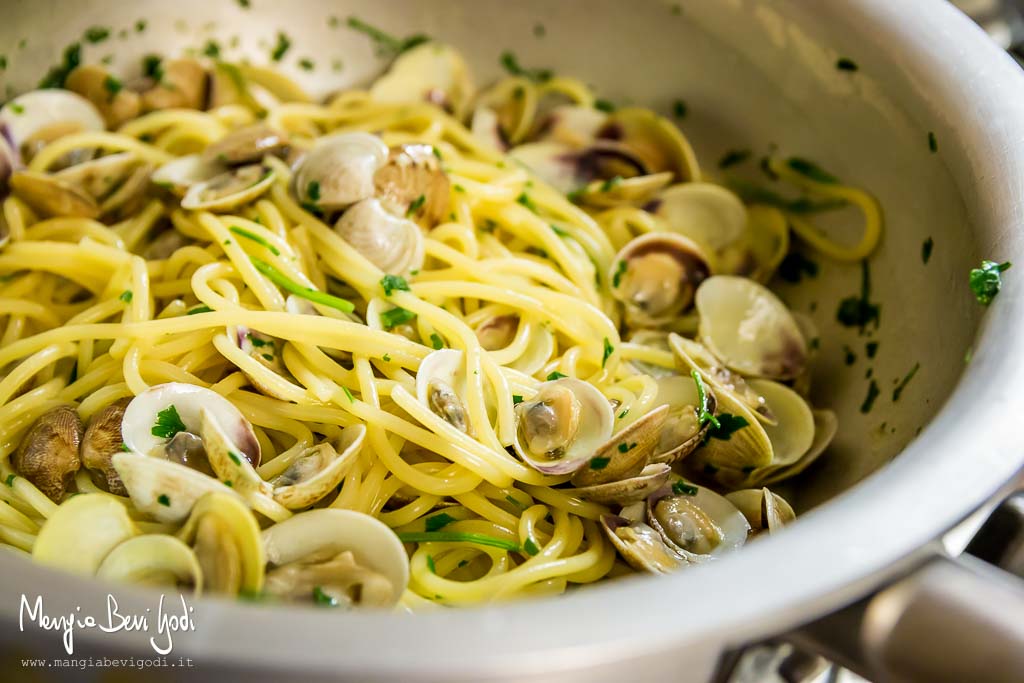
[[226, 539], [318, 471], [628, 490], [393, 244], [81, 532], [764, 510], [29, 115], [707, 213], [641, 546], [151, 559], [53, 196], [230, 189], [626, 453], [339, 170], [431, 72]]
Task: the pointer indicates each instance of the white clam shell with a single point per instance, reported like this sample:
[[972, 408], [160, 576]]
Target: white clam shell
[[164, 490], [239, 543], [705, 507], [80, 533], [318, 532], [152, 558], [706, 213], [431, 72], [792, 436], [340, 169], [338, 462], [746, 326], [33, 111], [393, 244], [181, 173], [553, 162], [229, 190]]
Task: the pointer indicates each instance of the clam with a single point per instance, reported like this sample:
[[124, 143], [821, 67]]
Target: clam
[[696, 522], [265, 350], [655, 276], [764, 510], [486, 127], [226, 539], [431, 72], [115, 181], [48, 454], [115, 103], [764, 244], [179, 175], [101, 441], [793, 433], [560, 428], [411, 183], [349, 556], [572, 125], [230, 189], [626, 453], [745, 325], [393, 244], [339, 171], [246, 145], [82, 531], [555, 163], [499, 331], [52, 196], [641, 546], [619, 191], [318, 470], [182, 85], [652, 139], [709, 214], [36, 118], [682, 430], [441, 384], [692, 355], [629, 490], [152, 559], [163, 489], [825, 426], [743, 446]]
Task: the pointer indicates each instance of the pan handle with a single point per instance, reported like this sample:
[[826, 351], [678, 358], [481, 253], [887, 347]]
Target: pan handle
[[951, 620]]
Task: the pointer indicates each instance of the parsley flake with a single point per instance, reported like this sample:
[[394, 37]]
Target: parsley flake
[[437, 522], [844, 64], [164, 500], [168, 423], [530, 547], [811, 170], [436, 341], [516, 399], [555, 375], [733, 157], [704, 415], [322, 599], [608, 351], [393, 283], [620, 270], [599, 463], [987, 280], [395, 317], [126, 296], [282, 46], [728, 425], [681, 488], [511, 64]]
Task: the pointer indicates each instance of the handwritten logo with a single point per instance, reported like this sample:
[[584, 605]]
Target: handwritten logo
[[167, 622]]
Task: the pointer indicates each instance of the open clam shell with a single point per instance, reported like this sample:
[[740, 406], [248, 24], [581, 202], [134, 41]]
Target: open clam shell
[[82, 531], [825, 426], [641, 546], [178, 175], [38, 116], [392, 243], [153, 559], [745, 325], [318, 470], [696, 522], [227, 543], [560, 428], [246, 145], [52, 196], [792, 437], [431, 72], [441, 386], [164, 490], [626, 453], [339, 170], [230, 189], [682, 431], [627, 490], [709, 214], [654, 139], [313, 536], [764, 510]]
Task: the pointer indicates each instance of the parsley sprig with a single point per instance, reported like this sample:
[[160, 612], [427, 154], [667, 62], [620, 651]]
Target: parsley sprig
[[987, 280], [168, 423], [704, 416]]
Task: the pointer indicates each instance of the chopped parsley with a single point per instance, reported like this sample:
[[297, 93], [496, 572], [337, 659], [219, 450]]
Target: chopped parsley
[[516, 399], [933, 144], [530, 547], [212, 49], [539, 31], [525, 200], [850, 357], [604, 105], [10, 479], [733, 157], [306, 64], [626, 447], [199, 309], [926, 249], [126, 296], [56, 76], [558, 231], [457, 537], [438, 522], [987, 280], [387, 45], [17, 108], [679, 109], [871, 348], [728, 424], [96, 34], [795, 266], [242, 232], [348, 394], [600, 463], [512, 499], [3, 62], [811, 170], [140, 25], [386, 358], [681, 488], [309, 293], [555, 375], [320, 598], [704, 416], [267, 356], [235, 458], [244, 4], [395, 317], [436, 341], [282, 46], [151, 67], [392, 283], [124, 447], [858, 311], [869, 400], [511, 64], [623, 414], [430, 564], [844, 64], [620, 270], [164, 500], [112, 85], [168, 423], [416, 205], [903, 382], [611, 184], [608, 351]]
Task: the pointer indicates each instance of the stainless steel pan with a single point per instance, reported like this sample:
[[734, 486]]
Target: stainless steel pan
[[753, 73]]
